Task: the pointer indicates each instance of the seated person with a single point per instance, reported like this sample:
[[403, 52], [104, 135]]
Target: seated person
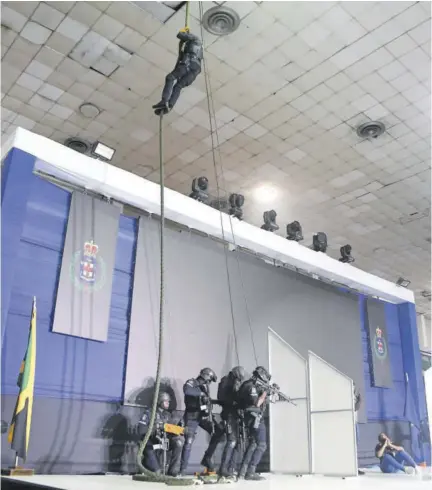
[[175, 442], [393, 458]]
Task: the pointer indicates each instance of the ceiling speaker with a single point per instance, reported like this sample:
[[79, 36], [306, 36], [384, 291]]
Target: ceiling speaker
[[221, 20], [78, 145], [371, 129]]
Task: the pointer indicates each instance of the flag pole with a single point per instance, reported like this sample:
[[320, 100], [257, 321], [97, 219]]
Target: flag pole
[[21, 419]]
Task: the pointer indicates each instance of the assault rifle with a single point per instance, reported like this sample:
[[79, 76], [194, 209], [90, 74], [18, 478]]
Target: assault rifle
[[207, 408], [274, 390]]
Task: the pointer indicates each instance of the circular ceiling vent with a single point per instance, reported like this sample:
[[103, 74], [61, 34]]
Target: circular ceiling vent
[[77, 144], [221, 20], [371, 129], [89, 110]]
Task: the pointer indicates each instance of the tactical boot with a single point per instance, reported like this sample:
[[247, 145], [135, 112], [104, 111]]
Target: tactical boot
[[161, 108], [253, 475], [242, 472], [208, 465]]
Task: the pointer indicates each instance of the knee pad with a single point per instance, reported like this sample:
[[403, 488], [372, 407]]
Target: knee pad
[[179, 442]]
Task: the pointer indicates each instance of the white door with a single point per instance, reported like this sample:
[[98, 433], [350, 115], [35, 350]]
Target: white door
[[289, 424], [333, 441]]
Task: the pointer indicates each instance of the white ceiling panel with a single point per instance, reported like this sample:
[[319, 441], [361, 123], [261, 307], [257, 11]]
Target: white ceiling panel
[[289, 89]]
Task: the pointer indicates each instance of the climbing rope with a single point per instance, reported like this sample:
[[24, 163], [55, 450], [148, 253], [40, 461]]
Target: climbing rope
[[216, 147], [147, 475]]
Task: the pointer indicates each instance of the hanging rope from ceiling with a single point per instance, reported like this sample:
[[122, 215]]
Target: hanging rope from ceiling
[[215, 147]]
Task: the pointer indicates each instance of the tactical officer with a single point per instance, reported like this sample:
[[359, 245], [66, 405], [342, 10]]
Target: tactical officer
[[227, 398], [252, 399], [157, 439], [187, 68], [198, 413]]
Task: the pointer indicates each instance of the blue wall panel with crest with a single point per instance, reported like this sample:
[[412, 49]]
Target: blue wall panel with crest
[[66, 367]]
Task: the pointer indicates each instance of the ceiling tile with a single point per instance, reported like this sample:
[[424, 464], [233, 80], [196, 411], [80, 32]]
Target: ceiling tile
[[35, 33], [47, 16]]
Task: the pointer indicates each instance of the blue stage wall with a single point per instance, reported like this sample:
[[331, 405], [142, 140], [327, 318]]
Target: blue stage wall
[[66, 366], [79, 369]]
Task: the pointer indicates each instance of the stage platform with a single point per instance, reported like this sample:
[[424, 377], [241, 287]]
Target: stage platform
[[272, 482]]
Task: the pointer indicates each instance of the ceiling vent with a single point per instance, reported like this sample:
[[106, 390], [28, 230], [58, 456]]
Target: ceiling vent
[[371, 129], [221, 20], [78, 145]]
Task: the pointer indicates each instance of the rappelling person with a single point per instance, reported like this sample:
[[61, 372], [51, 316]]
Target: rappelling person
[[198, 413], [252, 398], [187, 68], [160, 440], [227, 398]]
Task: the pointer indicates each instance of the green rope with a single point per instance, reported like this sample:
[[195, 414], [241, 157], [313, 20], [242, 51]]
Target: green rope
[[147, 475]]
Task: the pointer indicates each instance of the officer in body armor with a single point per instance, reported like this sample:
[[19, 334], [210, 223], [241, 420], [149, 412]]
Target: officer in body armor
[[252, 399], [198, 413], [187, 68], [156, 441], [227, 398]]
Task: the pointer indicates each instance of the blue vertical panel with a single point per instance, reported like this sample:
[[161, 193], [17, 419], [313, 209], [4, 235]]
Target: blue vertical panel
[[17, 178], [66, 367], [384, 403], [416, 410]]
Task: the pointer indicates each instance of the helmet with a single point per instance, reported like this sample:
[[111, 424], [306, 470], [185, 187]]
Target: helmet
[[262, 374], [163, 397], [208, 375], [238, 373]]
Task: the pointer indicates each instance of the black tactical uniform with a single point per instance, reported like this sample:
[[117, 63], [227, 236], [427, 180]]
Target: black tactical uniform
[[227, 397], [187, 68], [248, 396], [198, 412], [157, 439]]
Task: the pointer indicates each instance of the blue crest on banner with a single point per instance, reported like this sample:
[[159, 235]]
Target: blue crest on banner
[[380, 344], [88, 268]]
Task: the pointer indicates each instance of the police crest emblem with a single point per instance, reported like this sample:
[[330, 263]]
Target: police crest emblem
[[380, 344], [87, 268]]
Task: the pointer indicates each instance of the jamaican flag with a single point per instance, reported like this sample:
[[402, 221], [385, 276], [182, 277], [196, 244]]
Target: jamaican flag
[[19, 430]]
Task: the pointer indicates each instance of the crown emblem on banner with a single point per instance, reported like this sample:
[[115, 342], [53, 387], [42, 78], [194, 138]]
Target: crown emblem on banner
[[90, 249], [378, 332]]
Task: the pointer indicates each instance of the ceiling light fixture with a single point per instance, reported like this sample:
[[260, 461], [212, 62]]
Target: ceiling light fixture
[[236, 202], [200, 189], [294, 231], [102, 152], [220, 20], [346, 256], [404, 283], [89, 110], [319, 242], [269, 218]]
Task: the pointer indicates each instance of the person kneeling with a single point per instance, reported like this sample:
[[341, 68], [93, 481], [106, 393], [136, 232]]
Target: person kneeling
[[393, 458], [159, 438]]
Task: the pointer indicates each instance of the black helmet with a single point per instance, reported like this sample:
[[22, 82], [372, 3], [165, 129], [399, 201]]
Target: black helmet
[[262, 374], [238, 373], [163, 397], [208, 375]]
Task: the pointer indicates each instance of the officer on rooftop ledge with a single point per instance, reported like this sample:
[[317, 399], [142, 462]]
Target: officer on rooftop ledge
[[187, 68]]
